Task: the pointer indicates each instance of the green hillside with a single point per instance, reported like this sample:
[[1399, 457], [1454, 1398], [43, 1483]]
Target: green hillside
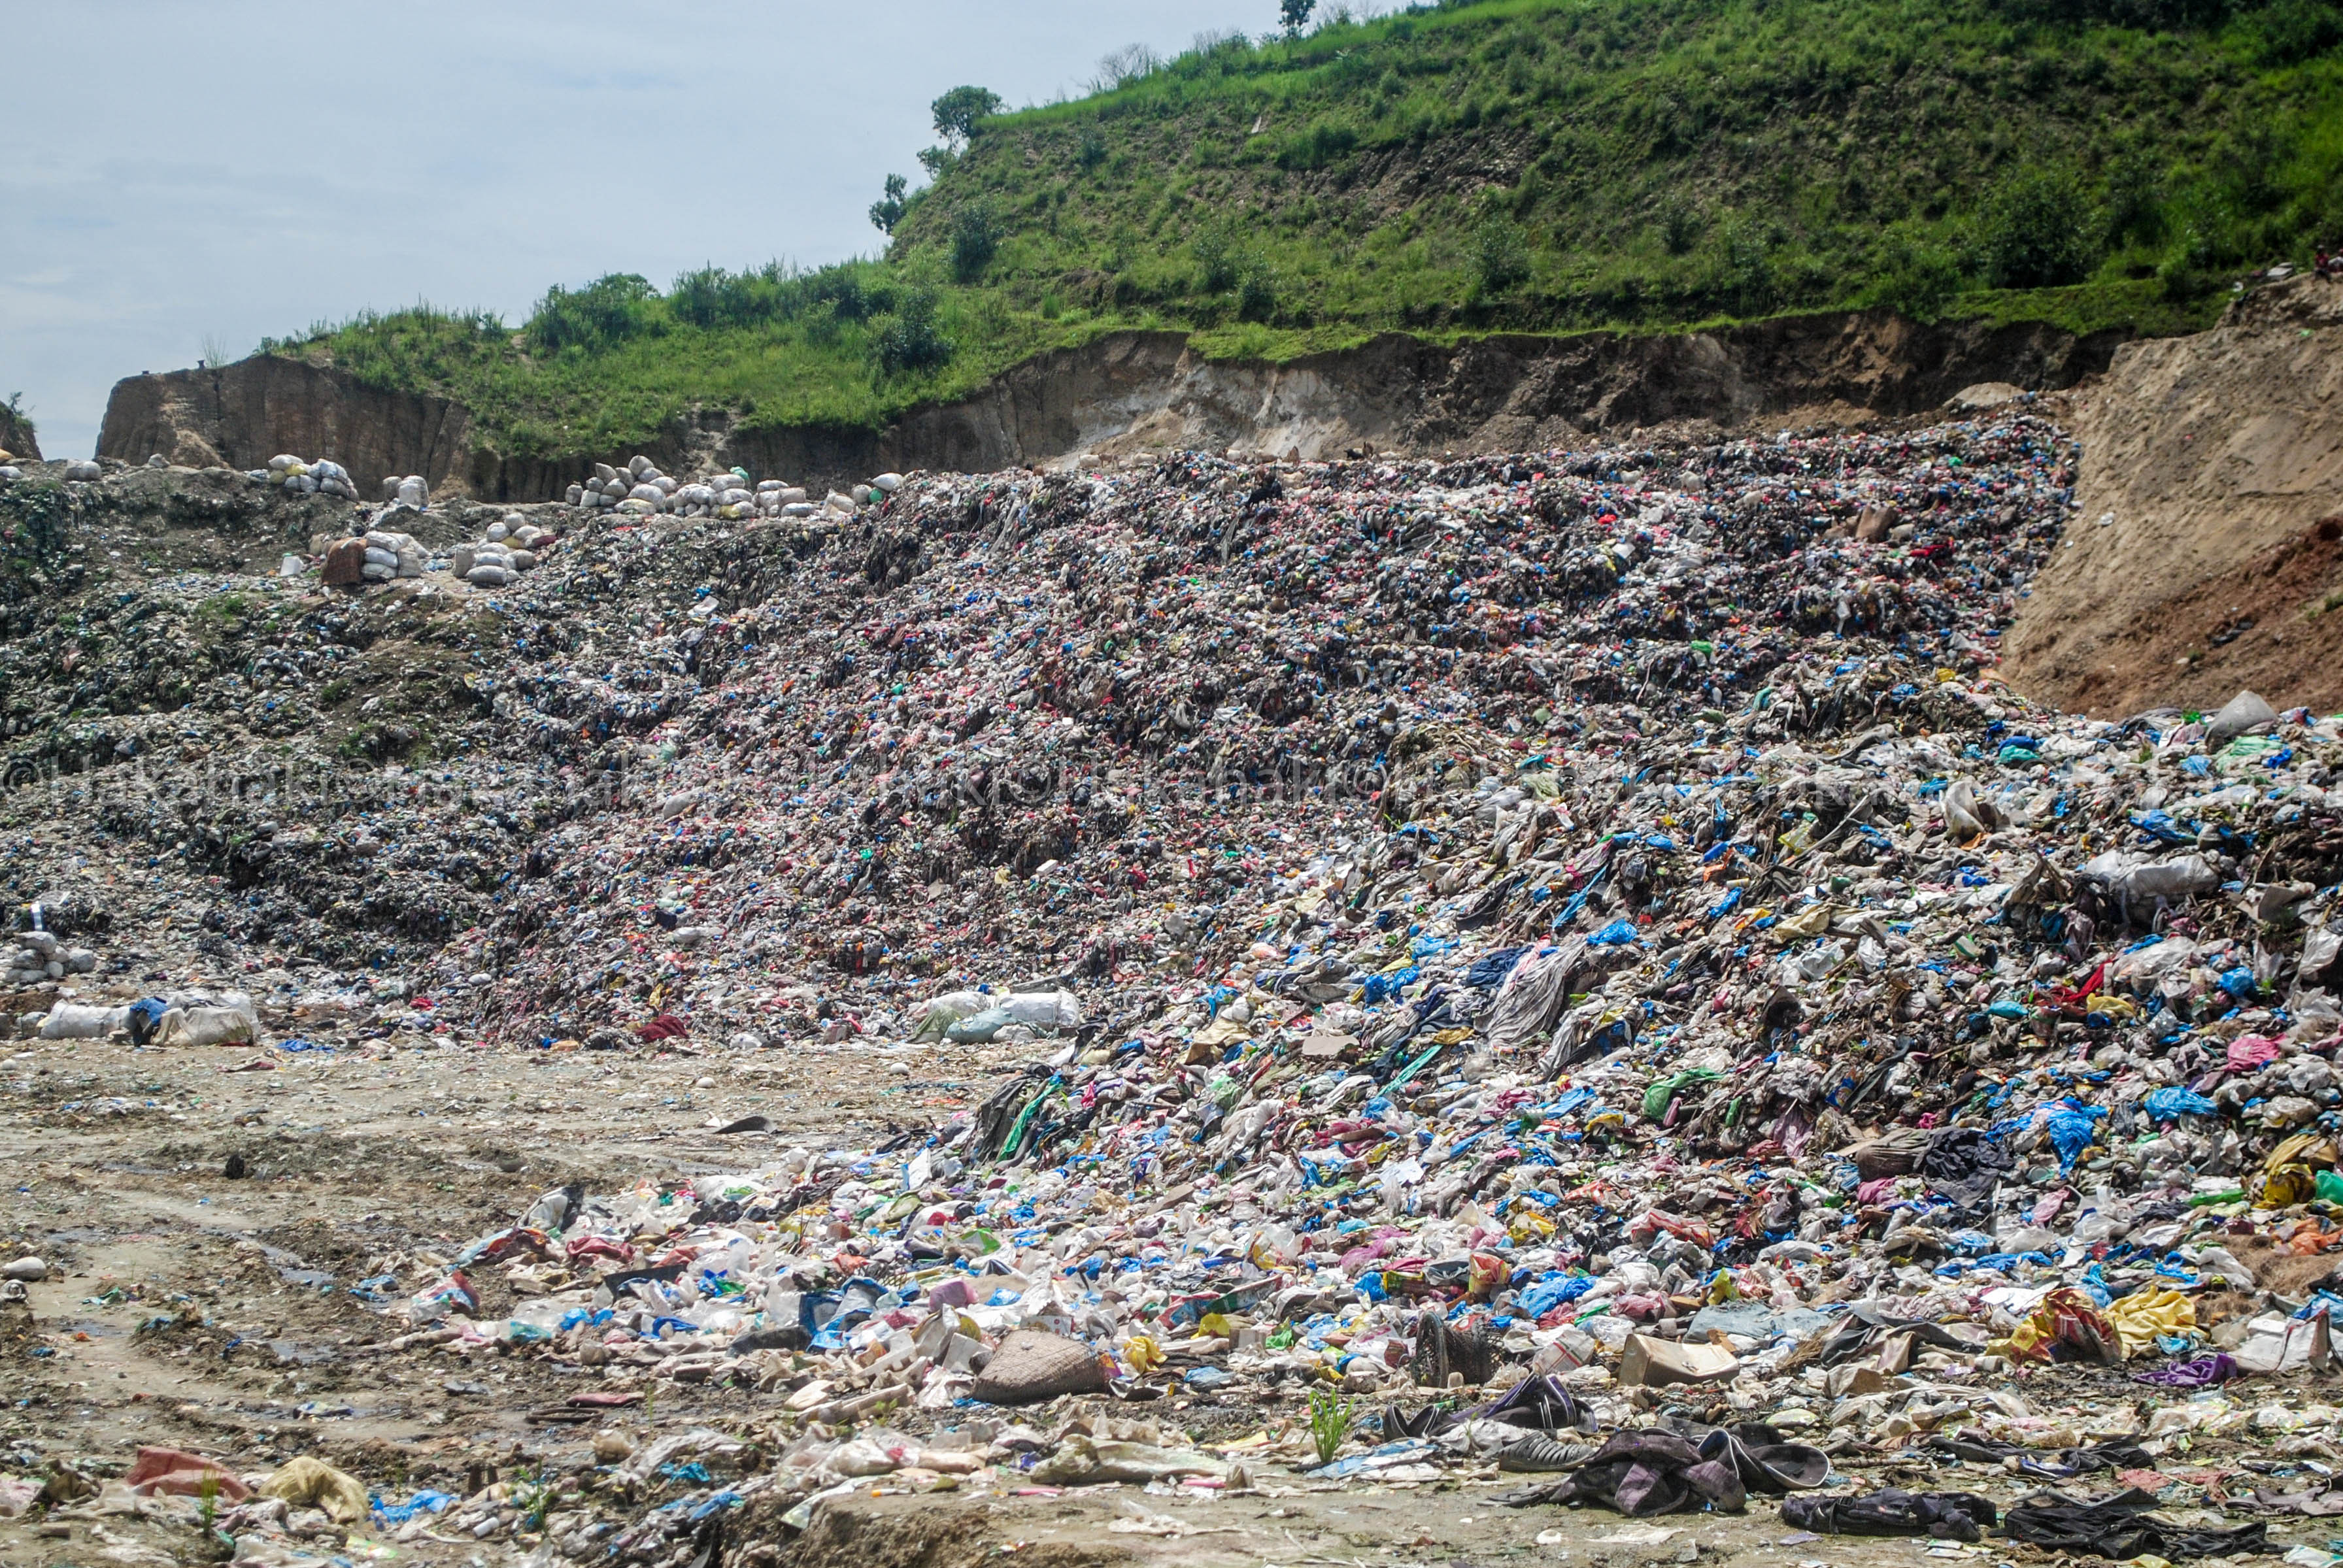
[[1543, 166]]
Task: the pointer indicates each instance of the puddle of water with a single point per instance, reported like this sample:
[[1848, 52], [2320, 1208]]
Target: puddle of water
[[93, 1327]]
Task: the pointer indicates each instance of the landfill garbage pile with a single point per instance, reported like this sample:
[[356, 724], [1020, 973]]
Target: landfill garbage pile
[[1568, 972]]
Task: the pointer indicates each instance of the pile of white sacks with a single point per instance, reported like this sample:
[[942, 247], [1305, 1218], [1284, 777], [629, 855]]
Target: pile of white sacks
[[39, 956], [640, 487], [512, 546], [414, 491], [320, 477], [392, 555]]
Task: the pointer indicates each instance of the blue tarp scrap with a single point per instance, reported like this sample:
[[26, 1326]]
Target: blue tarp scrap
[[2169, 1104]]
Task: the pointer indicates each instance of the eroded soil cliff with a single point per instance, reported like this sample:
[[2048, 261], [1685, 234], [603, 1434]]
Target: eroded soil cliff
[[2206, 539]]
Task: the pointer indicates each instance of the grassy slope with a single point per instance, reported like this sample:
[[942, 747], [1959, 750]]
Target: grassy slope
[[1513, 164]]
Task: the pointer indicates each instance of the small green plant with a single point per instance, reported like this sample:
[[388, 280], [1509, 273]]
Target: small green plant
[[1330, 1422], [2033, 231], [975, 241], [334, 693], [1501, 255], [1257, 292], [534, 1499], [912, 338], [221, 611], [1679, 227], [1217, 261]]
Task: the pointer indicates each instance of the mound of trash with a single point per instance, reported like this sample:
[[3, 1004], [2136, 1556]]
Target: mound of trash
[[1568, 964], [1596, 920]]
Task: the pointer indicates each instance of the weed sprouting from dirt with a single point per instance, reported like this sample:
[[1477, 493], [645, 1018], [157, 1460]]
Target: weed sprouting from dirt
[[1331, 1416]]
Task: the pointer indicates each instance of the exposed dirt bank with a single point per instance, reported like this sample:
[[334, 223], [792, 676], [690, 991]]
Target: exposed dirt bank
[[16, 436], [2199, 561], [241, 414], [1132, 391]]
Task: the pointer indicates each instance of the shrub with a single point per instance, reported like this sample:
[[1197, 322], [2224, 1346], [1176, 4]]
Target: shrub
[[713, 298], [606, 312], [1749, 267], [1257, 292], [2134, 199], [1218, 260], [2033, 231], [1501, 255], [911, 338], [840, 289], [2292, 31], [1131, 63], [2187, 270], [1679, 227], [1319, 146], [1917, 275], [975, 240]]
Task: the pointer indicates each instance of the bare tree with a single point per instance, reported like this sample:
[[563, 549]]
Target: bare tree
[[1126, 65]]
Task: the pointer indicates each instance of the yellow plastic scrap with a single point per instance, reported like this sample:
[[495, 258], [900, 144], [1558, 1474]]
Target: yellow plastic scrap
[[2284, 1186], [1811, 922], [1220, 1031], [312, 1482], [2064, 1315], [2139, 1317], [2290, 1174], [1142, 1354], [2312, 1149]]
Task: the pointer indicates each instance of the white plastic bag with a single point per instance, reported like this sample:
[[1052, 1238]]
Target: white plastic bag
[[78, 1020]]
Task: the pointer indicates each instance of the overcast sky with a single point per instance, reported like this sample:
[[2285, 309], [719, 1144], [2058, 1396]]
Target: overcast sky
[[177, 175]]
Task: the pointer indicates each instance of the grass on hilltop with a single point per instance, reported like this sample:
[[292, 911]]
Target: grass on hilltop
[[1510, 166]]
